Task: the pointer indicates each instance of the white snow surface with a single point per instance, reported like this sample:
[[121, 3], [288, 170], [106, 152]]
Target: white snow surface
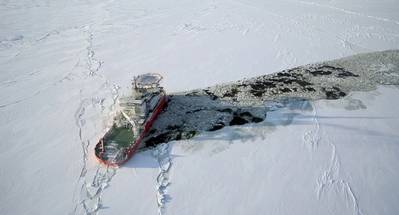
[[326, 161], [64, 63]]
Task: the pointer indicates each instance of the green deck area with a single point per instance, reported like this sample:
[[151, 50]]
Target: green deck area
[[121, 135]]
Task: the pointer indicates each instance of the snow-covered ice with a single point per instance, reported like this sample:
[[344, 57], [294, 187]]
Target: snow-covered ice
[[348, 165], [63, 64]]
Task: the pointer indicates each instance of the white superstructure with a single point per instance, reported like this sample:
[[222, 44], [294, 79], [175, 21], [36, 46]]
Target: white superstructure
[[145, 95]]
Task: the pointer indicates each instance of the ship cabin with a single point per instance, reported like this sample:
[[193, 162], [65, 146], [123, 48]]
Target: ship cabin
[[145, 94]]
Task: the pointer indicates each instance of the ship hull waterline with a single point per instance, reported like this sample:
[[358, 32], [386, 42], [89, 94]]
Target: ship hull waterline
[[133, 148]]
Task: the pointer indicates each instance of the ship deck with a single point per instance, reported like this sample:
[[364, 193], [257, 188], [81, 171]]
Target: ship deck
[[122, 136]]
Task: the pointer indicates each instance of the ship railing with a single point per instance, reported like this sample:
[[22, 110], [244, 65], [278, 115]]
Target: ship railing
[[130, 101]]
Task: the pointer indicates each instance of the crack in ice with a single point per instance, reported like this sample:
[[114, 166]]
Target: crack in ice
[[93, 64], [312, 137], [90, 190], [161, 153], [350, 12], [330, 179]]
